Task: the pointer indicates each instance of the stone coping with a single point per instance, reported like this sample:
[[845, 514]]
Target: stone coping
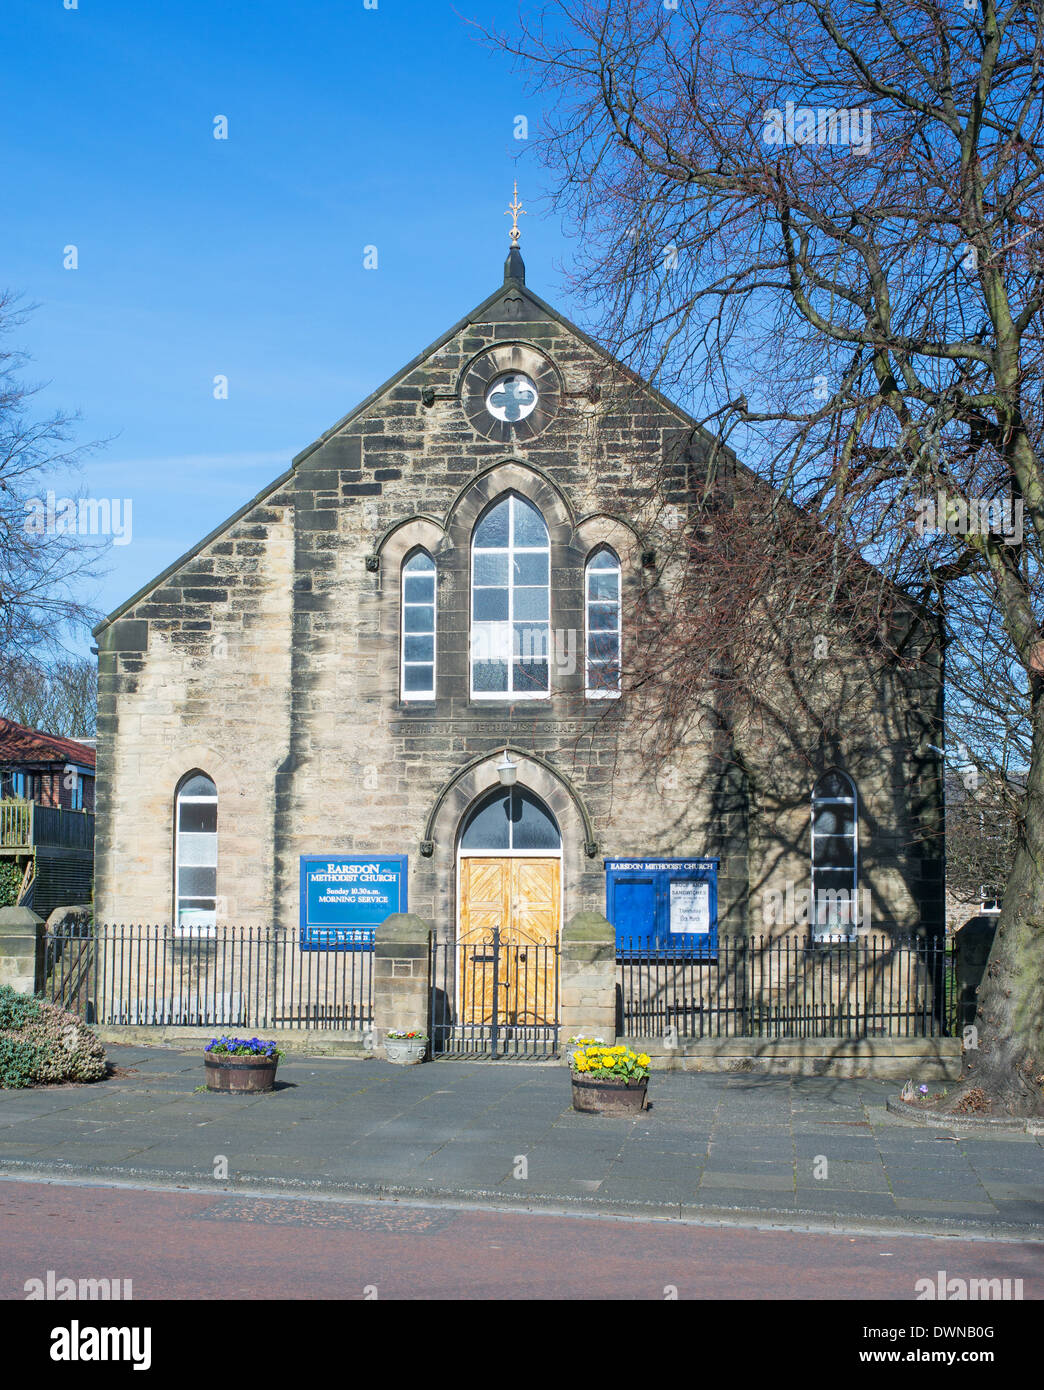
[[316, 1042]]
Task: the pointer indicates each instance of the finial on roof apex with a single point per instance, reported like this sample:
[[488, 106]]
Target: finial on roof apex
[[512, 211]]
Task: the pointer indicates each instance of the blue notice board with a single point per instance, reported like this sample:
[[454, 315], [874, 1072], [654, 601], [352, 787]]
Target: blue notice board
[[344, 897], [661, 905]]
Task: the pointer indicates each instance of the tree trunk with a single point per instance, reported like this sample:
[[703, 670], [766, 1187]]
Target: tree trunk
[[1006, 1061]]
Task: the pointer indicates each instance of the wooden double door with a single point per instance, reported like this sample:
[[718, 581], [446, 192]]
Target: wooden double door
[[511, 978]]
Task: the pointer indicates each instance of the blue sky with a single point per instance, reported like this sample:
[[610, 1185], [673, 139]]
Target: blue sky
[[347, 127]]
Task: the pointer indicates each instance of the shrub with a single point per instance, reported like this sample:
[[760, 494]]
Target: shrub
[[16, 1009], [10, 882], [18, 1062], [41, 1043]]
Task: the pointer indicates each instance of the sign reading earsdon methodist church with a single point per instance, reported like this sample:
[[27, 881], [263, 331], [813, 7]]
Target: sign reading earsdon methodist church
[[344, 898], [663, 905]]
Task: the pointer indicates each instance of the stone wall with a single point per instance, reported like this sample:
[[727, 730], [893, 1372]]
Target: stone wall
[[269, 660]]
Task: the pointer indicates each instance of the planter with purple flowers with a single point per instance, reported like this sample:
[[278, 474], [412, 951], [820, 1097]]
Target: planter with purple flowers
[[242, 1065]]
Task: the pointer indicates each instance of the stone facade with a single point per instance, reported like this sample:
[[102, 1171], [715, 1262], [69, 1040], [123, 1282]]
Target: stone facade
[[269, 659]]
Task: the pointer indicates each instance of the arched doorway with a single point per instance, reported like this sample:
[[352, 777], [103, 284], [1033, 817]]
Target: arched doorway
[[509, 913]]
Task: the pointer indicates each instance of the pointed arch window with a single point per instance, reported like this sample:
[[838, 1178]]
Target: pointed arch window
[[603, 626], [510, 603], [835, 857], [195, 856], [511, 820], [417, 658]]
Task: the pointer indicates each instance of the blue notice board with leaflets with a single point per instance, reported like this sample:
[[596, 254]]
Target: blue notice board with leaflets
[[345, 897], [663, 905]]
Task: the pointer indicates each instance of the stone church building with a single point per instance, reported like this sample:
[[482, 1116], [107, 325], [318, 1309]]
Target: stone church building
[[441, 587]]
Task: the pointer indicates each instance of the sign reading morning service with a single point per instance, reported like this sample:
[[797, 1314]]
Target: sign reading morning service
[[344, 897]]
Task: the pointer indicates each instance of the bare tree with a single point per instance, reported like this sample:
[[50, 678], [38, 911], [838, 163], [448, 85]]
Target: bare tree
[[820, 227], [45, 564], [59, 698]]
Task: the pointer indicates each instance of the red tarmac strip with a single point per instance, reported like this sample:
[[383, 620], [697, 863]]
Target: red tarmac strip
[[190, 1245]]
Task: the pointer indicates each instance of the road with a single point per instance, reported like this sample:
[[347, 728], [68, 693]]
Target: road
[[190, 1244]]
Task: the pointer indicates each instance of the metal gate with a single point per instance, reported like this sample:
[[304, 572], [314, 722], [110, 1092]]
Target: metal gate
[[494, 998]]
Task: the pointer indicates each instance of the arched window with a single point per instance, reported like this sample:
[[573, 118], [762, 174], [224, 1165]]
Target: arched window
[[602, 606], [417, 680], [510, 602], [835, 855], [510, 819], [195, 856]]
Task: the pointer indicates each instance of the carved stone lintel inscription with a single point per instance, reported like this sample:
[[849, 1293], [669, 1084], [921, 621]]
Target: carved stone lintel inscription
[[515, 728]]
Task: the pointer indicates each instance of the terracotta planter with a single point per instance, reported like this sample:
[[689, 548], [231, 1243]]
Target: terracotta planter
[[228, 1072], [405, 1051], [610, 1095]]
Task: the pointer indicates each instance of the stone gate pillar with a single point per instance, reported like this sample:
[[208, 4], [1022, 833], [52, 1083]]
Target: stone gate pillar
[[587, 978], [401, 969], [21, 949]]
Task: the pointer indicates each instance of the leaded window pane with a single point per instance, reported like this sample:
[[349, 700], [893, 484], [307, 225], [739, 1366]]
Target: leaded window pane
[[491, 605], [490, 675], [531, 603], [419, 649], [493, 530], [489, 826], [418, 678], [197, 882], [198, 785], [531, 568], [603, 646], [418, 619], [419, 588], [835, 818], [197, 816], [197, 850], [530, 530], [493, 569], [604, 586], [835, 851]]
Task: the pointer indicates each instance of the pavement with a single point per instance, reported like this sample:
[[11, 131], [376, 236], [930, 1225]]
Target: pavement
[[804, 1152]]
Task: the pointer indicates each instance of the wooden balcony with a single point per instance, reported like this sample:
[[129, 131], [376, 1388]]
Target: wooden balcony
[[26, 826]]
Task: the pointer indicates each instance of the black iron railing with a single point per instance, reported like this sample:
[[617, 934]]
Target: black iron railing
[[784, 987], [494, 998], [243, 977]]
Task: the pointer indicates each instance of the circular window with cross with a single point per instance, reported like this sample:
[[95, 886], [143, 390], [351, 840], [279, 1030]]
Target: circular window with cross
[[510, 393]]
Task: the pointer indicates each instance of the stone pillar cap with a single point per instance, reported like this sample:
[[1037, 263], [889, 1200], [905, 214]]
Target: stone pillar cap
[[405, 926], [588, 926], [19, 917]]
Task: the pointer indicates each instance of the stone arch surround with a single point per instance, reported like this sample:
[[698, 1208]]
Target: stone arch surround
[[581, 872]]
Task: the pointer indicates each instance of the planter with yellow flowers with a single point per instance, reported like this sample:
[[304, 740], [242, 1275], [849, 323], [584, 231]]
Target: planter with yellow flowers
[[609, 1080]]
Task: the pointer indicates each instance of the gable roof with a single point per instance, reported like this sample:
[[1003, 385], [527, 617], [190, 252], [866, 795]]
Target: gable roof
[[516, 283], [19, 744]]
